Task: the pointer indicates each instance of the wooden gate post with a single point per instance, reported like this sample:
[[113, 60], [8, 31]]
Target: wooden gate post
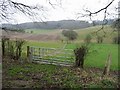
[[28, 53], [107, 65]]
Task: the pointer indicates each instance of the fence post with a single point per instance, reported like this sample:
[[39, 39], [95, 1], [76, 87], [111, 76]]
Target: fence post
[[107, 65], [39, 53], [28, 53]]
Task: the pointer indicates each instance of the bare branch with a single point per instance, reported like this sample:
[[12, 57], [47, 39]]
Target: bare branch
[[105, 8], [90, 14], [9, 7], [54, 5]]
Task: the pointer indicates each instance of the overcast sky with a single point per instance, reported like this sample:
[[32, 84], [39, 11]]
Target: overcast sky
[[67, 10]]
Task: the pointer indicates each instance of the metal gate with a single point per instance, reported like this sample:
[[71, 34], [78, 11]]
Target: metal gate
[[51, 55]]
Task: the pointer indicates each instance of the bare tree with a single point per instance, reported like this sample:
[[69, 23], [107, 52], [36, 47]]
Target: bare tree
[[98, 11], [9, 7], [104, 9]]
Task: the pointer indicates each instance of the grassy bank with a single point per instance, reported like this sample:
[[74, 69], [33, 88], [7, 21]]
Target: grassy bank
[[31, 75]]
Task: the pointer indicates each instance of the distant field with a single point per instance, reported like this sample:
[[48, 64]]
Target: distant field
[[41, 31], [108, 36], [81, 33]]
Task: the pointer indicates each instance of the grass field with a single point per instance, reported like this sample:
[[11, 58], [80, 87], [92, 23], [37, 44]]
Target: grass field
[[98, 52], [96, 57], [99, 55], [108, 36], [50, 44], [41, 31]]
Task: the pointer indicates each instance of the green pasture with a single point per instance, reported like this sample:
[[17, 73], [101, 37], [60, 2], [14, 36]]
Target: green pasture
[[97, 56], [50, 44], [41, 31], [107, 31], [98, 53]]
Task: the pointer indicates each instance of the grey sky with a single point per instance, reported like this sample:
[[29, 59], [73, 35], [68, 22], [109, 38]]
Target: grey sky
[[68, 9]]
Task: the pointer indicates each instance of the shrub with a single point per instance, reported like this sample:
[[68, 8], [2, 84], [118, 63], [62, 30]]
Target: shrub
[[99, 39], [116, 24], [88, 39], [4, 45], [80, 53], [70, 34], [31, 31], [12, 48], [19, 45], [116, 40]]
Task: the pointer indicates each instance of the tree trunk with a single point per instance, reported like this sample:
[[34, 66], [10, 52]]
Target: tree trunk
[[3, 48]]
